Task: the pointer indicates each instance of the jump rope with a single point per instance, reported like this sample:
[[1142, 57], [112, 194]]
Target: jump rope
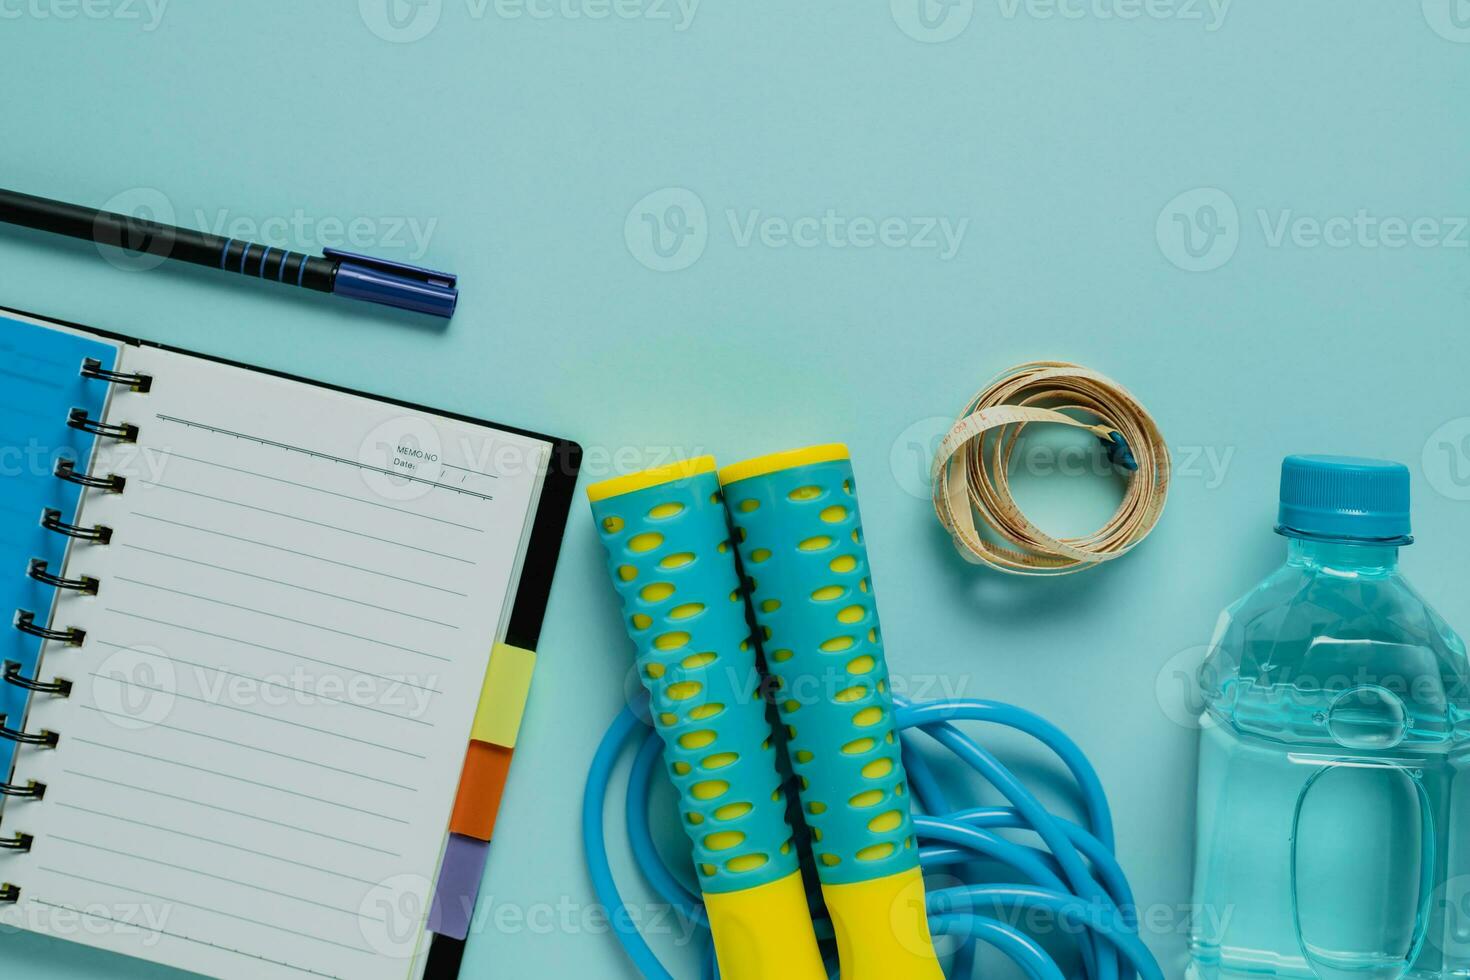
[[771, 710]]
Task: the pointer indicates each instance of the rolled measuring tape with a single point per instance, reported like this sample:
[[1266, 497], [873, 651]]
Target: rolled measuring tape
[[971, 489], [800, 537], [670, 559]]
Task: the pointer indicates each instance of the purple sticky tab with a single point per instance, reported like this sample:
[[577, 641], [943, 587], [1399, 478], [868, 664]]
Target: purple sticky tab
[[459, 886]]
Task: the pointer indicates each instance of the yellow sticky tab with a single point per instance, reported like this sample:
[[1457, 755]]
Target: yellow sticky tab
[[503, 698]]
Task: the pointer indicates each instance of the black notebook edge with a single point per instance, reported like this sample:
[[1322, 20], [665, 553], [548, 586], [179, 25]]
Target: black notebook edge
[[543, 550]]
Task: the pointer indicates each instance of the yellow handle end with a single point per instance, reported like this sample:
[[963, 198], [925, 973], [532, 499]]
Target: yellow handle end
[[766, 932], [883, 929]]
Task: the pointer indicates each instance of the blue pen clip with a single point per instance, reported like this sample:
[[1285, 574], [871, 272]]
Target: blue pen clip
[[1119, 453], [407, 287]]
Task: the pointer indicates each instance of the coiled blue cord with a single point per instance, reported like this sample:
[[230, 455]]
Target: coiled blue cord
[[1075, 878]]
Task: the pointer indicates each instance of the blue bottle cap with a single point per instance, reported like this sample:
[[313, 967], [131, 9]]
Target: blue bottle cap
[[1345, 498]]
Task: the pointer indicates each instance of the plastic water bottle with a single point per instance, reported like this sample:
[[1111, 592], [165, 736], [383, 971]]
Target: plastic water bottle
[[1333, 839]]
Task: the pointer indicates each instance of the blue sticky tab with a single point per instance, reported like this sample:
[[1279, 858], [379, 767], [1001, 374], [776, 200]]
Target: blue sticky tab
[[42, 376]]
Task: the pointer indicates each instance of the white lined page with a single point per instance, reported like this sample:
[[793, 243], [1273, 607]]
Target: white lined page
[[281, 669]]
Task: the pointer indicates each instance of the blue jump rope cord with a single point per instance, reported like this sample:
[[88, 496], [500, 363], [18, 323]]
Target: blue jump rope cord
[[1076, 878]]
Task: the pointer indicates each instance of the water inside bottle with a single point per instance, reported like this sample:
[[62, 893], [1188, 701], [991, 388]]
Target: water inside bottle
[[1332, 805]]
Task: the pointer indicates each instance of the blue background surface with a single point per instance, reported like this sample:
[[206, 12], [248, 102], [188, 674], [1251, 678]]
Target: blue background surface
[[1077, 148]]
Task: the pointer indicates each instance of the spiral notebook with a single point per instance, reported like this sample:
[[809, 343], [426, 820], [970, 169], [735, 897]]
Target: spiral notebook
[[253, 621]]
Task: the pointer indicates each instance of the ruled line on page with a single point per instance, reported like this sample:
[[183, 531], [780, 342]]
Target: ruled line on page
[[255, 714], [261, 646], [150, 825], [327, 456], [205, 874], [241, 779], [290, 585], [308, 486], [302, 554], [306, 520], [254, 748], [92, 913], [224, 809], [271, 615], [204, 908]]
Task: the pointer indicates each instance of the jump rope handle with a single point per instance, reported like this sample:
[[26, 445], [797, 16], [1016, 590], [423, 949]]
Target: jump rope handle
[[671, 561], [800, 538]]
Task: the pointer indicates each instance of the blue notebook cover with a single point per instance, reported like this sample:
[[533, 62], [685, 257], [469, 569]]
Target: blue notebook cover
[[41, 371]]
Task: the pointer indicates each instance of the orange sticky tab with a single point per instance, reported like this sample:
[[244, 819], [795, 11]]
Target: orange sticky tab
[[481, 788]]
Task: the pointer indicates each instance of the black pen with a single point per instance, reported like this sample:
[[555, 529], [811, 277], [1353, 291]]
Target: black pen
[[340, 273]]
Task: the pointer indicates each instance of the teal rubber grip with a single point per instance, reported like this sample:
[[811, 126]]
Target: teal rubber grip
[[671, 561], [801, 543]]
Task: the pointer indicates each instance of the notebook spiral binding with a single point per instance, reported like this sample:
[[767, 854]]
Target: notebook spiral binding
[[25, 620]]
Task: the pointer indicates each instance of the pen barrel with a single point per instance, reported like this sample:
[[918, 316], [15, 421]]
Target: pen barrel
[[799, 533], [671, 561], [141, 236]]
